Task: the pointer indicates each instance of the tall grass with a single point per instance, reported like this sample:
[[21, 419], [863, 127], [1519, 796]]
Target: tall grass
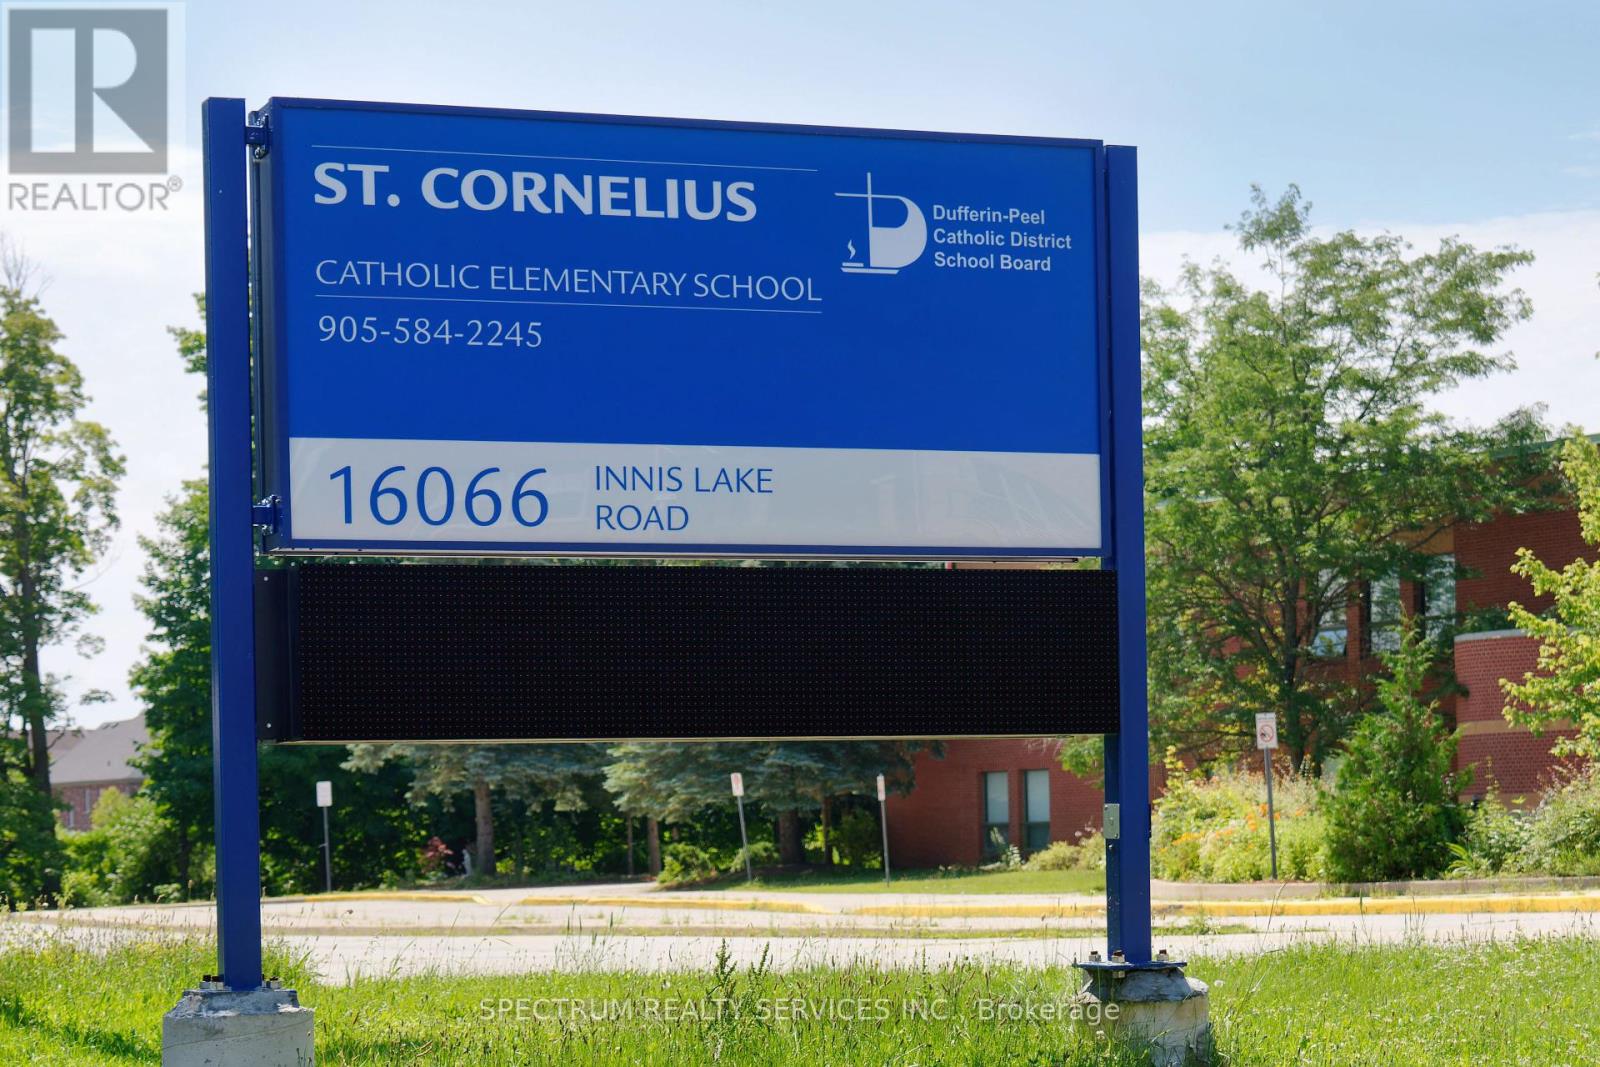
[[64, 1001]]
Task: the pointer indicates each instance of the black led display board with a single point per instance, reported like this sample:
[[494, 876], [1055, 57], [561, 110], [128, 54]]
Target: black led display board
[[524, 652]]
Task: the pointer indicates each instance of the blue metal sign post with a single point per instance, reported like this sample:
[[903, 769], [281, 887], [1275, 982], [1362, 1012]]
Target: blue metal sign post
[[486, 332], [233, 699], [1127, 770]]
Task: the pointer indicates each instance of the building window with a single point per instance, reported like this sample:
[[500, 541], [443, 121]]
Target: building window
[[1036, 794], [1438, 597], [1333, 629], [996, 811], [1385, 614]]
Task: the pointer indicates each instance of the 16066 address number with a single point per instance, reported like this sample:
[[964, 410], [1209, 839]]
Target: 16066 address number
[[394, 493]]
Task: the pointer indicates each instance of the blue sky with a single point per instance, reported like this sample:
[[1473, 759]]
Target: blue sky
[[1428, 119], [1429, 112]]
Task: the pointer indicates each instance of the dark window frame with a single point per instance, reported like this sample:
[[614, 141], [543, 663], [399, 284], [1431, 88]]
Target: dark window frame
[[989, 850], [1035, 832]]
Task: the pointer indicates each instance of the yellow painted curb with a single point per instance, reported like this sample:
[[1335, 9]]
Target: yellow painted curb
[[689, 904], [1451, 905], [976, 911], [378, 894]]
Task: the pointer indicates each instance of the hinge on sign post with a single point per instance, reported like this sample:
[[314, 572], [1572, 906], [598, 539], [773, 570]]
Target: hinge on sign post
[[257, 136], [265, 514]]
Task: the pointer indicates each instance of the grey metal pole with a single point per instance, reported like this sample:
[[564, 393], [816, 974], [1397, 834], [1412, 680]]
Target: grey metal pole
[[1272, 820], [883, 821], [327, 854], [744, 840]]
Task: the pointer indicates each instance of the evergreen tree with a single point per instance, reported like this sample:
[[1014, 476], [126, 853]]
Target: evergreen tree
[[1395, 812], [527, 774], [676, 781]]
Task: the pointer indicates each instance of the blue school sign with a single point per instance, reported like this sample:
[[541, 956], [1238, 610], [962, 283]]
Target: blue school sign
[[504, 331], [498, 332]]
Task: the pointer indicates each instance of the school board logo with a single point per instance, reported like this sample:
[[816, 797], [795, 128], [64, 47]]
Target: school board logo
[[891, 245]]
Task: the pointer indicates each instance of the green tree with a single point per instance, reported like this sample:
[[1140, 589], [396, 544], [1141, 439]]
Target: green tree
[[676, 781], [1394, 812], [1291, 454], [58, 475], [1566, 685], [30, 855], [526, 774], [377, 833], [173, 679]]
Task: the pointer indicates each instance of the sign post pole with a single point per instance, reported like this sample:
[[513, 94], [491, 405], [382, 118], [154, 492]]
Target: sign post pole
[[883, 821], [325, 801], [233, 715], [233, 1016], [1165, 1007], [1127, 751], [1266, 741], [744, 840]]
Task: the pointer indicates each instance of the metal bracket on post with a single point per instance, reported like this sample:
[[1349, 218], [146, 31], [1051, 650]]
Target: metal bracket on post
[[264, 514], [257, 135]]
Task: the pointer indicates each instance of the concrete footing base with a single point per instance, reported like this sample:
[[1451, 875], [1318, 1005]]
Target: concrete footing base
[[214, 1026], [1159, 1007]]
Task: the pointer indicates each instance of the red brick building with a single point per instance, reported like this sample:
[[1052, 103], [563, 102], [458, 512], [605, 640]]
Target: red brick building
[[85, 763], [1019, 786]]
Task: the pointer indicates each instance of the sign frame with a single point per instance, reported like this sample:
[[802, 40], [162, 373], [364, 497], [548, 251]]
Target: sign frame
[[1266, 730], [273, 327], [231, 141]]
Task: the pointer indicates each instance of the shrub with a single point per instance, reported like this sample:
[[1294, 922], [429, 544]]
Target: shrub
[[433, 857], [682, 863], [1087, 853], [1214, 828], [83, 889], [1564, 831], [127, 853], [1395, 813], [1008, 857], [1494, 842], [859, 839], [762, 854], [30, 850]]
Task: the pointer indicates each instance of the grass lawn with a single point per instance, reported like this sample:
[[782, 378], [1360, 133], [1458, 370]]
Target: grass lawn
[[1532, 1003], [817, 881]]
